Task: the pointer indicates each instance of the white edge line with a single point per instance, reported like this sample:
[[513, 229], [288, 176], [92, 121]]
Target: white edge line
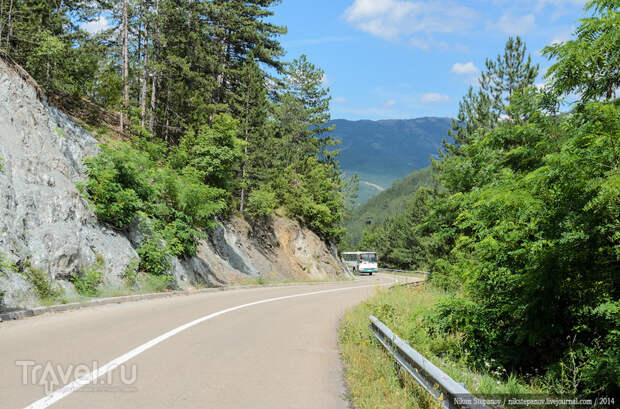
[[68, 389]]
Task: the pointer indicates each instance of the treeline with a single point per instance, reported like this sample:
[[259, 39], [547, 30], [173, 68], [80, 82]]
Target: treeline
[[386, 205], [525, 230], [213, 120]]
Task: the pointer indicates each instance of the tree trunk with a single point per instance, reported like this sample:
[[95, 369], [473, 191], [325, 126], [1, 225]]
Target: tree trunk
[[124, 34], [9, 30], [155, 61], [1, 21], [245, 148], [145, 77], [166, 113]]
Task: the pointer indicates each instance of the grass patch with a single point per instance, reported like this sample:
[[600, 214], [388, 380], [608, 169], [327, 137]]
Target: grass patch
[[375, 380], [151, 283], [396, 273], [41, 283]]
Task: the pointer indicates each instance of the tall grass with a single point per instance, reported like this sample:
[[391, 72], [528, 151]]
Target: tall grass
[[374, 378]]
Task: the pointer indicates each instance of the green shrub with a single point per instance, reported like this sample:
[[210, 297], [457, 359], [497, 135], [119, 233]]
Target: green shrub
[[262, 203], [154, 256], [125, 183], [156, 283], [118, 183], [5, 265], [87, 282], [41, 282], [131, 273]]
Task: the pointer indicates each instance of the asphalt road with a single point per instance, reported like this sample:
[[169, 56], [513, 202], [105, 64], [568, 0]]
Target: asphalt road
[[273, 347]]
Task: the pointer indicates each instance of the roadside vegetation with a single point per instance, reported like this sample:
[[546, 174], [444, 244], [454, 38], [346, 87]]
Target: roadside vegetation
[[376, 380], [522, 236]]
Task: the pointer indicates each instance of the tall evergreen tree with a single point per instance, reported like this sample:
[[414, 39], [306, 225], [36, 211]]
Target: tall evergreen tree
[[510, 72]]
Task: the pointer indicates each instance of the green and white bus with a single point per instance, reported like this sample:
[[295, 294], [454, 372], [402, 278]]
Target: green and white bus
[[361, 261]]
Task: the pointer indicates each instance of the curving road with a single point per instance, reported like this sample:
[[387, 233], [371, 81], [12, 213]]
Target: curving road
[[271, 347]]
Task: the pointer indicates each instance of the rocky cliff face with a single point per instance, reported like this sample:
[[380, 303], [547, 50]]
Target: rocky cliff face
[[45, 223]]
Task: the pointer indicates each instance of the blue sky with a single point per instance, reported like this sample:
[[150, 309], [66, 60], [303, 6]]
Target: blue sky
[[406, 59]]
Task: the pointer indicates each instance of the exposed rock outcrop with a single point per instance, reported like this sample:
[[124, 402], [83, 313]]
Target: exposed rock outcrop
[[43, 219], [46, 224]]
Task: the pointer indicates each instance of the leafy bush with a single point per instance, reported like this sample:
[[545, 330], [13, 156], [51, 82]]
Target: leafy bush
[[40, 280], [87, 282], [310, 194], [213, 151], [262, 203], [131, 273], [125, 182], [154, 256], [89, 279], [118, 183]]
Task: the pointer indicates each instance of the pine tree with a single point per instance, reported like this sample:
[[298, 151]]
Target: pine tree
[[482, 110], [507, 74]]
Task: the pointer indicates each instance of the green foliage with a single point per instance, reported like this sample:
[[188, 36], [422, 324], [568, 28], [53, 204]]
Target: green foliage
[[588, 65], [6, 265], [262, 203], [526, 233], [154, 256], [156, 283], [312, 195], [126, 185], [88, 280], [387, 204], [213, 151], [40, 280], [130, 275], [118, 183]]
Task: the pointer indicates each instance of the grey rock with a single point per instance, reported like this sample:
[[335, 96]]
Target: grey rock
[[18, 293], [228, 246], [43, 218]]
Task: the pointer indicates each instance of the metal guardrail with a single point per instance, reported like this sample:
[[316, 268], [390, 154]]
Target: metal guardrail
[[404, 271], [451, 395]]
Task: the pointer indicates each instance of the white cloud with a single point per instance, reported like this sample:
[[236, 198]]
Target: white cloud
[[96, 26], [340, 100], [325, 82], [392, 19], [516, 25], [563, 35], [433, 98], [420, 43], [429, 44], [388, 104], [540, 4], [467, 68]]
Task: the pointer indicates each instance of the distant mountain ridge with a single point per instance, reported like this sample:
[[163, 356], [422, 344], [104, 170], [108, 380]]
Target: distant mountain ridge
[[389, 203], [382, 151]]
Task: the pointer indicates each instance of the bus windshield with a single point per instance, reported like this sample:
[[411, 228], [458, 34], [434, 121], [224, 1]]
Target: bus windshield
[[369, 257]]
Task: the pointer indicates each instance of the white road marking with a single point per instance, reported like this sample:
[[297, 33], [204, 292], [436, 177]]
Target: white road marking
[[68, 389]]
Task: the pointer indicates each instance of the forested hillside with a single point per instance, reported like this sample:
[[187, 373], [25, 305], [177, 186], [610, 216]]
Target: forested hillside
[[199, 115], [524, 234], [382, 151], [387, 204]]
